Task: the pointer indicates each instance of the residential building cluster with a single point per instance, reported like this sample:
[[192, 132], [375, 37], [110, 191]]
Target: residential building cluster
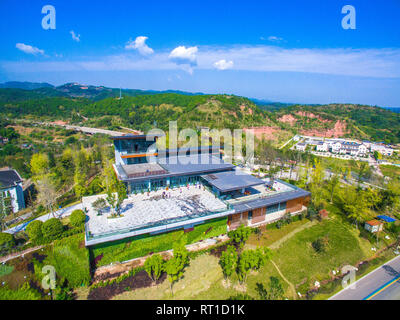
[[342, 146]]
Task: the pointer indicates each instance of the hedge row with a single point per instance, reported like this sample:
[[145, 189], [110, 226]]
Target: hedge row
[[140, 246]]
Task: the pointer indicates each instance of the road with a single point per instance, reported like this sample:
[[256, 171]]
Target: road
[[381, 284], [61, 213]]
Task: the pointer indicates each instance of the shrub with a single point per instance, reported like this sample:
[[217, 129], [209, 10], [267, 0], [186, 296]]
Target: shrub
[[34, 231], [7, 240], [139, 246], [154, 266], [318, 245], [25, 292], [52, 229], [77, 218]]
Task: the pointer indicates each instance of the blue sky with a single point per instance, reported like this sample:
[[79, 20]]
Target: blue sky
[[289, 51]]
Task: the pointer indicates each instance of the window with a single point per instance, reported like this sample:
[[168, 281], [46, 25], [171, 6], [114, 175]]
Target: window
[[273, 208]]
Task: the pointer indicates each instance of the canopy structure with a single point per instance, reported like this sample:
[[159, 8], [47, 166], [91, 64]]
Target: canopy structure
[[386, 218], [231, 180]]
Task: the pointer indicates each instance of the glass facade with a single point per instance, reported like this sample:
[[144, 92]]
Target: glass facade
[[276, 207], [152, 185]]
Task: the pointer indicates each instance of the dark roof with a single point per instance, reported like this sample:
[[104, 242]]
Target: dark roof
[[231, 180], [9, 178], [136, 136], [271, 200], [181, 166], [194, 164], [189, 150]]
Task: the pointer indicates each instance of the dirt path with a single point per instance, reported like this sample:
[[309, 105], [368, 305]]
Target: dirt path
[[18, 254], [291, 286], [278, 243]]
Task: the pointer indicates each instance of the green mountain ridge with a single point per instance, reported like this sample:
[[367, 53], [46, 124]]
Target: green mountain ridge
[[145, 111]]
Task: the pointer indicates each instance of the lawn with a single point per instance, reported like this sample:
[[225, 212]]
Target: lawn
[[203, 280], [390, 171], [131, 248], [302, 265], [271, 234]]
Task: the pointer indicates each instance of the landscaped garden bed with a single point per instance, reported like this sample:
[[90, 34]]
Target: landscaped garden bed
[[136, 281]]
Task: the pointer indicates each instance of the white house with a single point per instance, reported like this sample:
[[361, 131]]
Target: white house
[[382, 149], [362, 150], [11, 189], [301, 146], [322, 146], [336, 147]]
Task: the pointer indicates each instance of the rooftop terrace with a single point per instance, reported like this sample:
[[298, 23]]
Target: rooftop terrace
[[153, 212]]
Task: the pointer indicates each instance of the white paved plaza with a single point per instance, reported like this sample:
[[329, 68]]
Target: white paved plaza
[[144, 209]]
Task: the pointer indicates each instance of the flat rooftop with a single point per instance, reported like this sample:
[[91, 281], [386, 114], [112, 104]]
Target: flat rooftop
[[153, 212], [231, 180], [143, 169], [195, 164], [268, 194]]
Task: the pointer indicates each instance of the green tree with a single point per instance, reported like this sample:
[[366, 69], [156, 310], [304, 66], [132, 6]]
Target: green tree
[[5, 208], [154, 266], [240, 235], [99, 205], [228, 261], [176, 265], [274, 292], [52, 229], [39, 164], [245, 263], [77, 218], [7, 241], [34, 231]]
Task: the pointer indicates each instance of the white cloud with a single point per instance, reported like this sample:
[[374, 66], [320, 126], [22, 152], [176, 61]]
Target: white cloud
[[139, 44], [223, 64], [375, 63], [183, 55], [274, 39], [75, 37], [28, 49]]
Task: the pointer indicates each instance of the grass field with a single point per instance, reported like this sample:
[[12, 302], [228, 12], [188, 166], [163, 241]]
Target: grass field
[[300, 264], [390, 171]]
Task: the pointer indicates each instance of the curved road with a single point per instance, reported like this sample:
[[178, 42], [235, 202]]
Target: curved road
[[61, 213]]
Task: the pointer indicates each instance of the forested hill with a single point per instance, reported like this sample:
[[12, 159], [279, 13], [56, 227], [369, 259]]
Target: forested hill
[[349, 120], [145, 111], [22, 90]]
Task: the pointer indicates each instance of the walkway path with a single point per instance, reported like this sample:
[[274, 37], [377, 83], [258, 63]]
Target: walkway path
[[61, 213], [279, 242], [291, 286], [18, 254]]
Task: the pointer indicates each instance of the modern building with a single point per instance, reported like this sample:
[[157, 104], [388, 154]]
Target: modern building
[[322, 146], [382, 149], [301, 146], [180, 188], [12, 194]]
